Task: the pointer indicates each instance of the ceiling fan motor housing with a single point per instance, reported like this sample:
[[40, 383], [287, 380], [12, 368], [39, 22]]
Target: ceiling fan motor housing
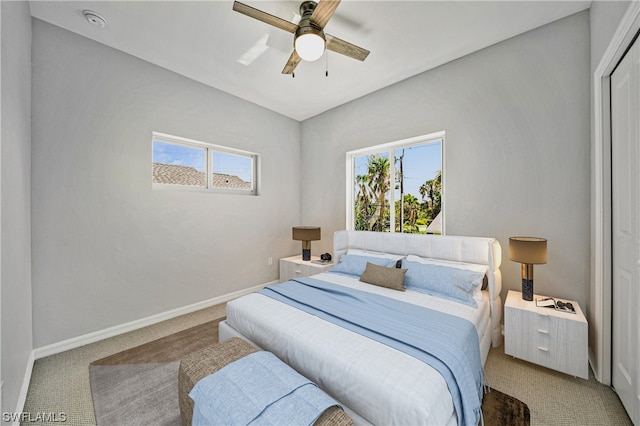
[[311, 28], [309, 34], [306, 26], [307, 8]]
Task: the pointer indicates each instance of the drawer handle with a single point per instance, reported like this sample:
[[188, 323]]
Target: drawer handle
[[298, 272], [543, 349], [543, 331]]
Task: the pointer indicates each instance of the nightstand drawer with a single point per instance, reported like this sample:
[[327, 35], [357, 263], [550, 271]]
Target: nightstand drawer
[[546, 342], [546, 333], [528, 335]]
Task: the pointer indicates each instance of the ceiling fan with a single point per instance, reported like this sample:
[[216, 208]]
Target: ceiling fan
[[310, 41]]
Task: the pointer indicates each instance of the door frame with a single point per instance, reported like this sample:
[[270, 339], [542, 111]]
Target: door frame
[[601, 288]]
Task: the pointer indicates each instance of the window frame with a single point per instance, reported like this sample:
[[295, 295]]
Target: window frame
[[209, 149], [391, 147]]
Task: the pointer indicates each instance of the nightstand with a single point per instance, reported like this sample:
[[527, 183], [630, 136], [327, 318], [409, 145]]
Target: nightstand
[[544, 336], [294, 267]]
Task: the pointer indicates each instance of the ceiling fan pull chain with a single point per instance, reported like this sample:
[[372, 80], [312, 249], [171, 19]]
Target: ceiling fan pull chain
[[326, 66]]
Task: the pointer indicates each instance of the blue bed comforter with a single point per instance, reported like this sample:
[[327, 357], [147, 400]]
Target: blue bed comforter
[[448, 343]]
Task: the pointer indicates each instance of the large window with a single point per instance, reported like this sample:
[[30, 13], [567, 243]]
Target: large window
[[180, 163], [407, 175]]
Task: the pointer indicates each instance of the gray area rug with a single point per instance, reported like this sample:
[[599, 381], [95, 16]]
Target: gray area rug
[[147, 394], [136, 394]]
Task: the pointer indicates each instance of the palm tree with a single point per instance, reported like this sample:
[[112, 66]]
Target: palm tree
[[378, 175], [362, 207], [411, 208], [432, 190], [370, 198]]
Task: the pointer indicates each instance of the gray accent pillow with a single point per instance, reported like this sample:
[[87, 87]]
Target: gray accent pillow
[[382, 276]]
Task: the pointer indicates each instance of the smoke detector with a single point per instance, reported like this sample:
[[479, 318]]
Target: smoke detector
[[94, 19]]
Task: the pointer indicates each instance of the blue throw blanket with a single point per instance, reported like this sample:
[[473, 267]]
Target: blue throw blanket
[[448, 343], [257, 389]]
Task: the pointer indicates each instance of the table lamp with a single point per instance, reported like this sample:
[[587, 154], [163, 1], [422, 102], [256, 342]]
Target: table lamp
[[306, 234], [529, 251]]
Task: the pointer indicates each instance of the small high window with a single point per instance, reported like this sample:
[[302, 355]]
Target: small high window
[[180, 163]]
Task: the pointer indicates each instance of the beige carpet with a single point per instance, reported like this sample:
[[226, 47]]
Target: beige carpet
[[554, 398], [60, 383]]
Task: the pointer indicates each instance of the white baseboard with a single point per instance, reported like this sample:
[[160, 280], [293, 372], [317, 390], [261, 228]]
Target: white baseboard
[[96, 336], [22, 397]]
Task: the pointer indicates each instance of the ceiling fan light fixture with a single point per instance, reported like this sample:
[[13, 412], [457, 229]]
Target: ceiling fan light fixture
[[310, 44]]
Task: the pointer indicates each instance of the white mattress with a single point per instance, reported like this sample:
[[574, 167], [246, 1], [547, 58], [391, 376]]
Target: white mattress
[[379, 383]]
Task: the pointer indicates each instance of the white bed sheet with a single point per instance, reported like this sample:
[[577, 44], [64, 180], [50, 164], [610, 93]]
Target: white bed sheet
[[381, 384]]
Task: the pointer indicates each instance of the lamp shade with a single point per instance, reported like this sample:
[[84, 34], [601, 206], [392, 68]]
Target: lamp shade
[[306, 233], [528, 250]]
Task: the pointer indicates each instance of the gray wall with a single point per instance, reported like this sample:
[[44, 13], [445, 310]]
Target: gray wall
[[516, 117], [107, 249], [604, 19], [15, 200]]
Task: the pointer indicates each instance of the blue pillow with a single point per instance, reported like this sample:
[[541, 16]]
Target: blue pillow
[[352, 264], [437, 280]]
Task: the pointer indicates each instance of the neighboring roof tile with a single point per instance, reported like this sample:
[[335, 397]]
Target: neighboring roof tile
[[173, 174], [220, 180]]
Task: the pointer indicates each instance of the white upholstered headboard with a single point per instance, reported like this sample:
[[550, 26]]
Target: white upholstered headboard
[[480, 250]]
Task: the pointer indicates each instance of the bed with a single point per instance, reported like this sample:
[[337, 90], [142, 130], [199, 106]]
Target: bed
[[377, 382]]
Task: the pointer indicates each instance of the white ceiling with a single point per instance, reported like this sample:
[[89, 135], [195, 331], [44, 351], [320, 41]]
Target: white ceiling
[[204, 40]]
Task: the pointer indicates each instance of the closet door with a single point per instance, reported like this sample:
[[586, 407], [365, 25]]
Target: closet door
[[625, 179]]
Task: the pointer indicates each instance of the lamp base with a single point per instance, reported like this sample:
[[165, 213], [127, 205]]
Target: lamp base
[[527, 289], [306, 254]]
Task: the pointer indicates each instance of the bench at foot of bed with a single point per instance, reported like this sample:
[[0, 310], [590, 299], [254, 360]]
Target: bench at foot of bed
[[211, 359]]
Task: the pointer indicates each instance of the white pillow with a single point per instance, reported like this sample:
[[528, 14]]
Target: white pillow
[[370, 253], [451, 263]]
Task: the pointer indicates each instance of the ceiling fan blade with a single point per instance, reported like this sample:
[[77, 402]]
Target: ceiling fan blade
[[324, 11], [264, 17], [345, 48], [292, 63]]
